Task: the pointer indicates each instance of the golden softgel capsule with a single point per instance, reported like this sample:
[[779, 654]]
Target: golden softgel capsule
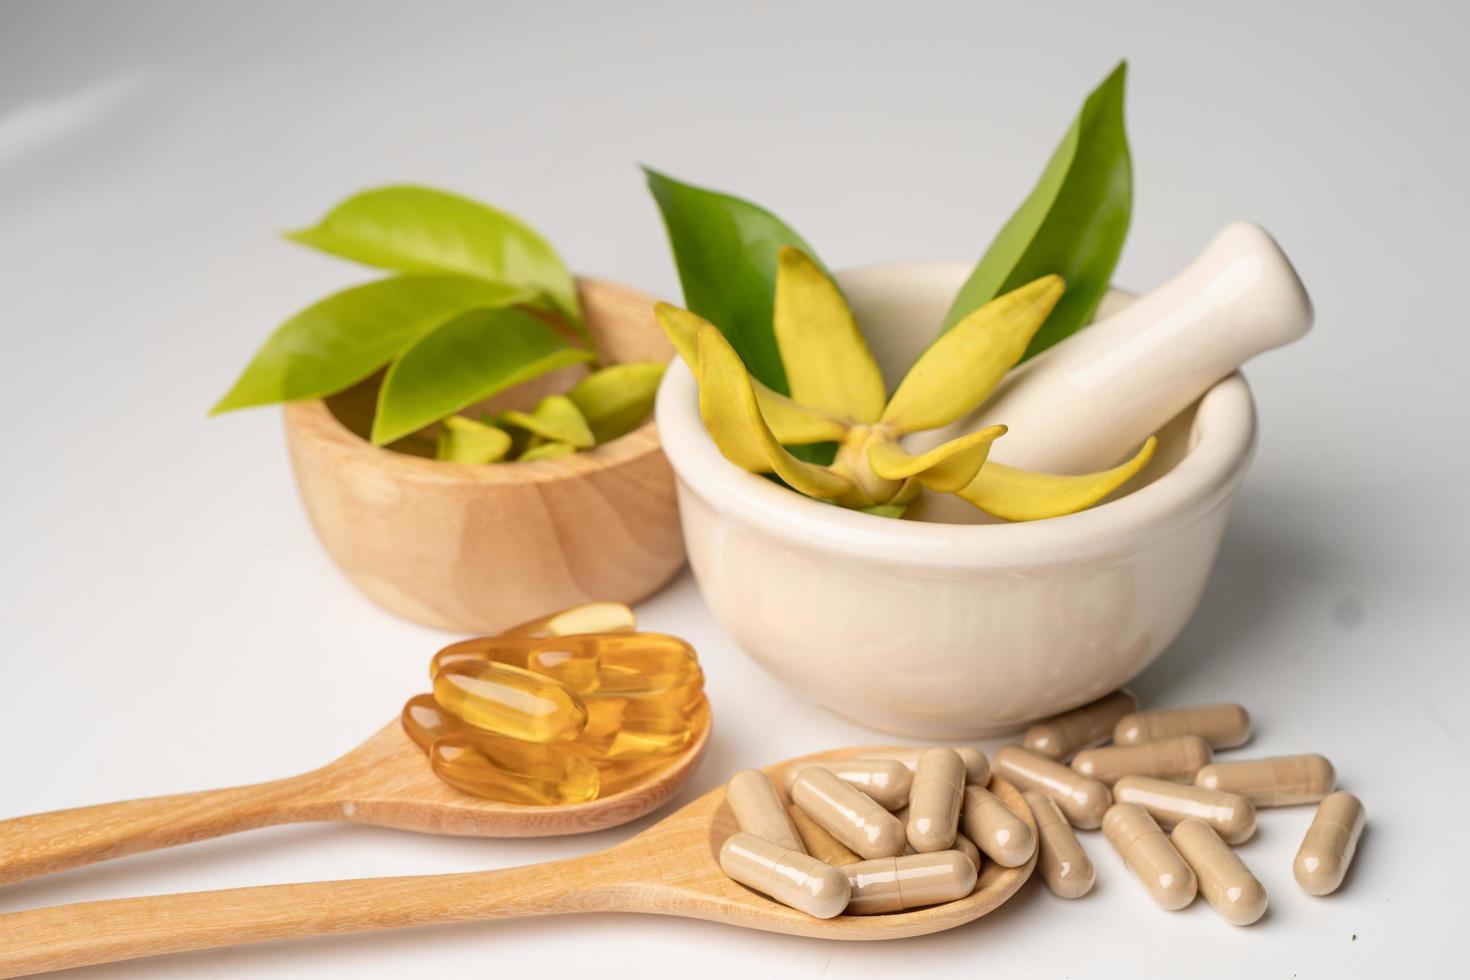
[[887, 781], [591, 617], [1062, 736], [424, 721], [510, 701], [1084, 800], [790, 877], [1063, 864], [1150, 856], [1224, 880], [1330, 844], [1233, 816], [616, 663], [863, 827], [511, 771], [1224, 726], [1001, 835], [935, 799], [1283, 780], [817, 842], [1179, 757], [759, 811], [908, 882], [632, 728]]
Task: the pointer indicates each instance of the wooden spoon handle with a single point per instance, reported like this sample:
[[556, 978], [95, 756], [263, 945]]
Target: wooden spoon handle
[[65, 936]]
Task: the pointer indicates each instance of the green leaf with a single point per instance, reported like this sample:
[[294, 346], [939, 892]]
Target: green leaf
[[725, 249], [419, 229], [547, 450], [1072, 225], [617, 399], [556, 419], [335, 343], [469, 357], [463, 440]]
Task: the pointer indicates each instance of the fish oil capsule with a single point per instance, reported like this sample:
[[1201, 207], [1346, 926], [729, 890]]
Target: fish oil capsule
[[1283, 780], [1001, 835], [758, 810], [1224, 726], [790, 877], [1233, 816], [616, 663], [1149, 855], [1063, 735], [887, 781], [619, 775], [935, 800], [908, 881], [512, 771], [1330, 844], [848, 814], [632, 728], [424, 721], [1224, 880], [1179, 757], [1063, 864], [591, 617], [510, 701], [1082, 799], [977, 766], [817, 842]]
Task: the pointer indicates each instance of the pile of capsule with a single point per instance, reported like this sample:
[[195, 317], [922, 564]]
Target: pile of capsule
[[1159, 774], [872, 835], [563, 709]]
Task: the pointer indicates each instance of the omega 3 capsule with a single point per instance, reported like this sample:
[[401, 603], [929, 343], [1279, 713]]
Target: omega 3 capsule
[[1224, 726], [1330, 844], [1061, 736], [759, 811], [977, 766], [591, 617], [1082, 799], [817, 842], [1233, 816], [1001, 835], [848, 814], [1063, 864], [1224, 880], [908, 882], [790, 877], [1179, 757], [1149, 855], [1283, 780], [887, 781], [934, 802]]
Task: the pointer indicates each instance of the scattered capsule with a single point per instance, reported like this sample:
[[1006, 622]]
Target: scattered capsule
[[510, 701], [817, 842], [1224, 880], [1064, 865], [1149, 855], [758, 810], [848, 814], [1063, 735], [935, 800], [1001, 835], [967, 847], [1283, 780], [1233, 816], [887, 781], [908, 881], [424, 721], [1330, 844], [790, 877], [1179, 757], [1224, 726], [591, 617], [1082, 799], [977, 766], [509, 770], [632, 728]]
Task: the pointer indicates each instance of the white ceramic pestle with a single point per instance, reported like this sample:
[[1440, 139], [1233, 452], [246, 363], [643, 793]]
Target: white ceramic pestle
[[1092, 399]]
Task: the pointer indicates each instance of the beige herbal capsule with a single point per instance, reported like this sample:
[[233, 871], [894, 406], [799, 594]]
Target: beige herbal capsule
[[886, 780], [790, 877], [1179, 757], [908, 882], [967, 847], [1061, 736], [1224, 726], [1149, 855], [848, 814], [758, 810], [977, 766], [1232, 815], [934, 801], [1330, 844], [1082, 799], [820, 844], [1063, 864], [1224, 880], [1001, 835], [1282, 780]]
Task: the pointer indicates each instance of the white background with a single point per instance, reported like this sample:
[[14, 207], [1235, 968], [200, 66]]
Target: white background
[[168, 622]]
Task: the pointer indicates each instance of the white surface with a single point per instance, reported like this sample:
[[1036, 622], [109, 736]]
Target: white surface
[[168, 622]]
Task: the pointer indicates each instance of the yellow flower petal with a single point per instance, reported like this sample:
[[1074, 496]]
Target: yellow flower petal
[[1022, 495], [962, 367], [728, 405], [947, 468], [463, 440], [616, 399], [556, 419], [793, 424], [547, 450], [828, 364]]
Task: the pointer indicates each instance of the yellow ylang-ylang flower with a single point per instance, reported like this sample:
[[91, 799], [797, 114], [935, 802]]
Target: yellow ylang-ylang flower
[[838, 394]]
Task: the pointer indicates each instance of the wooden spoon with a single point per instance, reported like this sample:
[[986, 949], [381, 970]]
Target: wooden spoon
[[384, 781], [669, 869]]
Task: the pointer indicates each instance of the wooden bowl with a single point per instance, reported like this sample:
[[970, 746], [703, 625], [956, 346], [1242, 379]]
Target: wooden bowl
[[480, 548]]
